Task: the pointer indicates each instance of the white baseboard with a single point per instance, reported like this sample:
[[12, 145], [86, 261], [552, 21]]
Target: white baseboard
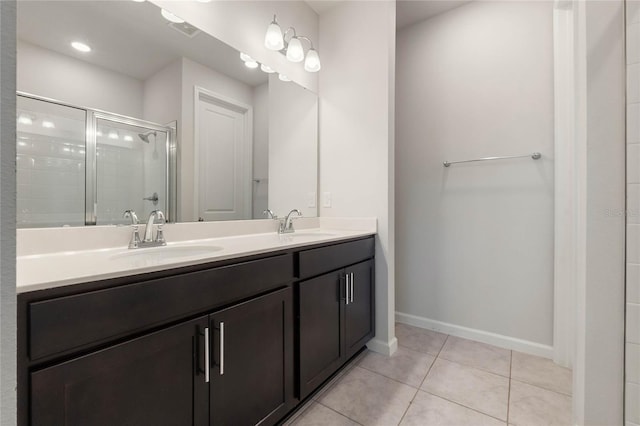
[[477, 335], [382, 347]]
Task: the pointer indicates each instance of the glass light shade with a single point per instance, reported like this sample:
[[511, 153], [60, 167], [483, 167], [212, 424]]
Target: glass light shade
[[312, 62], [251, 64], [171, 17], [273, 39], [246, 58], [267, 69], [295, 53], [283, 77]]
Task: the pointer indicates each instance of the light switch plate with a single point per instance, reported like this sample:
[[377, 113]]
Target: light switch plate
[[311, 200], [326, 199]]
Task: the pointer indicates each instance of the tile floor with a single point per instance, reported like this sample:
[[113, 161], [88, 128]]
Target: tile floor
[[435, 379]]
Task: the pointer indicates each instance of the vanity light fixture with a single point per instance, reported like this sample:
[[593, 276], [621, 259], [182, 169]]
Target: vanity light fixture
[[171, 17], [292, 48], [80, 47], [48, 124]]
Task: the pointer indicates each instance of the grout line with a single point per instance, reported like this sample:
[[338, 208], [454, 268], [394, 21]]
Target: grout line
[[509, 393], [545, 389], [338, 412], [463, 406], [408, 406], [434, 362]]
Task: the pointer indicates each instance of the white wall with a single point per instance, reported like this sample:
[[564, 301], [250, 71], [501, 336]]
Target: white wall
[[260, 150], [195, 74], [632, 358], [475, 241], [356, 133], [598, 365], [46, 73], [7, 213], [243, 24], [293, 147], [162, 94]]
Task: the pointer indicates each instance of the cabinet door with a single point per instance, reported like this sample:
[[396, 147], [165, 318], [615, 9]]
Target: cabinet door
[[359, 312], [151, 380], [321, 329], [252, 374]]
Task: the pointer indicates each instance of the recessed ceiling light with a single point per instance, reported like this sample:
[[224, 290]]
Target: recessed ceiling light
[[81, 47], [251, 64], [48, 124], [171, 17]]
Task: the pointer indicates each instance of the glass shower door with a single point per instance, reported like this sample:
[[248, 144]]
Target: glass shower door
[[50, 164], [131, 169]]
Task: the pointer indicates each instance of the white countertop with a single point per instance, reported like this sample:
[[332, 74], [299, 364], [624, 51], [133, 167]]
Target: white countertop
[[51, 269]]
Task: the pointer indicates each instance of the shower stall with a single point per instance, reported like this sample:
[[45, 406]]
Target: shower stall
[[80, 166]]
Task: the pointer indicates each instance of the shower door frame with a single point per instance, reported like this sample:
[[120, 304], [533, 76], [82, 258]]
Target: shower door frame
[[91, 144]]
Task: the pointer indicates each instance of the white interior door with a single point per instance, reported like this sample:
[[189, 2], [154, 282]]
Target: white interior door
[[223, 156]]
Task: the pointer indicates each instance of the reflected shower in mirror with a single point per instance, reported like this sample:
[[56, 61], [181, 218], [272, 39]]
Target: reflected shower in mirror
[[236, 154]]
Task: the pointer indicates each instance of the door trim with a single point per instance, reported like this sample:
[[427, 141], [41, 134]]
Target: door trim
[[247, 158]]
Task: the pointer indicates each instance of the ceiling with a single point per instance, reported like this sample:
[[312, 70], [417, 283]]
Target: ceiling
[[321, 6], [409, 12], [125, 36]]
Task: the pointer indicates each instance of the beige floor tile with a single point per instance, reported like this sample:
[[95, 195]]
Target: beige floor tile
[[406, 366], [419, 339], [475, 354], [335, 379], [541, 372], [471, 387], [319, 415], [427, 409], [534, 406], [369, 398]]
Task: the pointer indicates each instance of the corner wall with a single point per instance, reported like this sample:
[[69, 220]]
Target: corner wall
[[357, 84], [475, 240]]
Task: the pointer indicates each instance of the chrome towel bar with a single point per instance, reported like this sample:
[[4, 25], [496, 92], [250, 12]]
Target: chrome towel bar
[[535, 156]]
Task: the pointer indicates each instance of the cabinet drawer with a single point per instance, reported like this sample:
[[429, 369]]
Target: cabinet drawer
[[73, 322], [318, 261]]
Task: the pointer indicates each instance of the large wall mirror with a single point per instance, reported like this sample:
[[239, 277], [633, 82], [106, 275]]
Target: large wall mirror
[[157, 115]]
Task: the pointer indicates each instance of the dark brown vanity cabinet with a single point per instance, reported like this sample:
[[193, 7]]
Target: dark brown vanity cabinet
[[151, 380], [336, 309], [252, 374], [237, 342]]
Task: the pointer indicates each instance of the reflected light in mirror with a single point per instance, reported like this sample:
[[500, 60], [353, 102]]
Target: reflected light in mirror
[[80, 47], [267, 69], [48, 124], [283, 77], [171, 17], [251, 64], [25, 119], [114, 135]]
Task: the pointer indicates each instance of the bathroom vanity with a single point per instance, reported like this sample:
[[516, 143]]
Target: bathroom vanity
[[233, 340]]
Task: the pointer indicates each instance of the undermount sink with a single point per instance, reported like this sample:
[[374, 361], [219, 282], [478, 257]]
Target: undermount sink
[[166, 252]]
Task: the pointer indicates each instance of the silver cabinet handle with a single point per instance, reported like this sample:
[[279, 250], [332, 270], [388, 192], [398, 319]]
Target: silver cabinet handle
[[351, 287], [346, 276], [207, 361], [221, 348]]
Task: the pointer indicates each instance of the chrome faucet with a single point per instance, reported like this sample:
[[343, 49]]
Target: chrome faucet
[[135, 236], [286, 224], [148, 240]]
